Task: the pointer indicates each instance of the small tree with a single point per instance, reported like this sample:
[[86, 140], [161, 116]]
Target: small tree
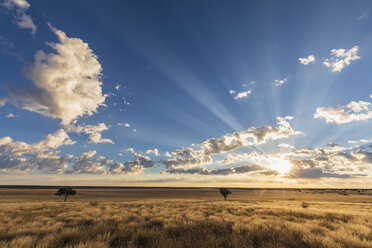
[[66, 192], [225, 192]]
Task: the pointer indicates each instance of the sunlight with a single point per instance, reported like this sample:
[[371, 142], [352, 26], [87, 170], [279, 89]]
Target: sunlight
[[281, 165]]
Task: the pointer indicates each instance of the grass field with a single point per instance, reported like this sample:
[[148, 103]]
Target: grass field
[[185, 218]]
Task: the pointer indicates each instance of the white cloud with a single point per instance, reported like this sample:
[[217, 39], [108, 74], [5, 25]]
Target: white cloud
[[124, 124], [117, 87], [22, 19], [279, 82], [3, 100], [167, 154], [66, 83], [243, 94], [11, 115], [341, 58], [22, 156], [232, 92], [360, 141], [188, 157], [354, 111], [153, 151], [309, 60], [94, 132], [284, 145], [97, 138]]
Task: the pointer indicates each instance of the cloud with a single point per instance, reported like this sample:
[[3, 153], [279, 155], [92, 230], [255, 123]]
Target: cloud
[[154, 151], [188, 157], [94, 132], [243, 94], [232, 92], [88, 163], [284, 145], [22, 19], [354, 111], [279, 82], [228, 171], [309, 60], [22, 156], [11, 115], [117, 87], [124, 124], [360, 141], [66, 83], [364, 16], [341, 58], [3, 100]]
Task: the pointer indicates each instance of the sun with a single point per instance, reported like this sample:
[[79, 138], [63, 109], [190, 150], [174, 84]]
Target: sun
[[281, 165]]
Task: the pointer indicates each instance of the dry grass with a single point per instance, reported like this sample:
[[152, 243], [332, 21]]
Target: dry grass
[[249, 219]]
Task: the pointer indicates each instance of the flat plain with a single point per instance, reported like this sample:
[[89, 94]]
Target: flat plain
[[174, 217]]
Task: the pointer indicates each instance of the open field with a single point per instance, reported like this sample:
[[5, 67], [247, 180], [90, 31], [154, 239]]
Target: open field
[[185, 218]]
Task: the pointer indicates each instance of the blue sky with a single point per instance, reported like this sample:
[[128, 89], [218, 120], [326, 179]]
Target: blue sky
[[186, 93]]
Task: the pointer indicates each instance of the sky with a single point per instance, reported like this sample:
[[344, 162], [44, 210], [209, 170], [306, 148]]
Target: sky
[[186, 93]]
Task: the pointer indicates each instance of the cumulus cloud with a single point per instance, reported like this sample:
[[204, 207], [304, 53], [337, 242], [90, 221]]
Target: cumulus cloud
[[22, 156], [284, 145], [94, 132], [66, 83], [22, 19], [228, 171], [188, 157], [309, 60], [232, 92], [341, 58], [153, 151], [354, 111], [279, 82], [117, 87], [241, 95], [91, 164], [10, 115]]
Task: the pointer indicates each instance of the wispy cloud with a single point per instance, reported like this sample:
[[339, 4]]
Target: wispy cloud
[[22, 19], [279, 82]]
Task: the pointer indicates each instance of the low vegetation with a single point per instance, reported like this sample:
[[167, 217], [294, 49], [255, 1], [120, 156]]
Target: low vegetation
[[159, 222]]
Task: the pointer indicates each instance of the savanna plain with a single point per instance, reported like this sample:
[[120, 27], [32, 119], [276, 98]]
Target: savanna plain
[[198, 217]]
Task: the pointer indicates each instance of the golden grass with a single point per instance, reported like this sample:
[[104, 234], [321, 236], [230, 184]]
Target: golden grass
[[193, 219]]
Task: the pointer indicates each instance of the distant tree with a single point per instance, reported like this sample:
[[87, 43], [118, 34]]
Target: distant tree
[[225, 192], [66, 192]]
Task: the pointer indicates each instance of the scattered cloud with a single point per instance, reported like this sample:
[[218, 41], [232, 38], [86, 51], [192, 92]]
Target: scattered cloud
[[364, 16], [188, 157], [153, 151], [354, 111], [124, 124], [243, 94], [309, 60], [341, 58], [42, 156], [22, 19], [66, 83], [232, 92], [284, 145], [279, 82], [117, 87], [3, 100], [94, 132], [11, 115]]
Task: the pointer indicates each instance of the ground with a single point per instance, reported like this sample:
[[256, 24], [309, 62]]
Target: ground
[[186, 218]]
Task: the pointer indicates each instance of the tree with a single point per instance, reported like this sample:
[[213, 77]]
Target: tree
[[225, 192], [66, 192]]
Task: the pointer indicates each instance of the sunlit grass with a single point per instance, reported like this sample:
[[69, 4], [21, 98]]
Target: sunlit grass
[[186, 223]]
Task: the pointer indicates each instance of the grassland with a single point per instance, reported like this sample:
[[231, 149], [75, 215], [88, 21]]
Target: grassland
[[185, 218]]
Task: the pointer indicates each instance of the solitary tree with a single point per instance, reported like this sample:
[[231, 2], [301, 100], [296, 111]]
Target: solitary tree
[[66, 192], [225, 192]]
